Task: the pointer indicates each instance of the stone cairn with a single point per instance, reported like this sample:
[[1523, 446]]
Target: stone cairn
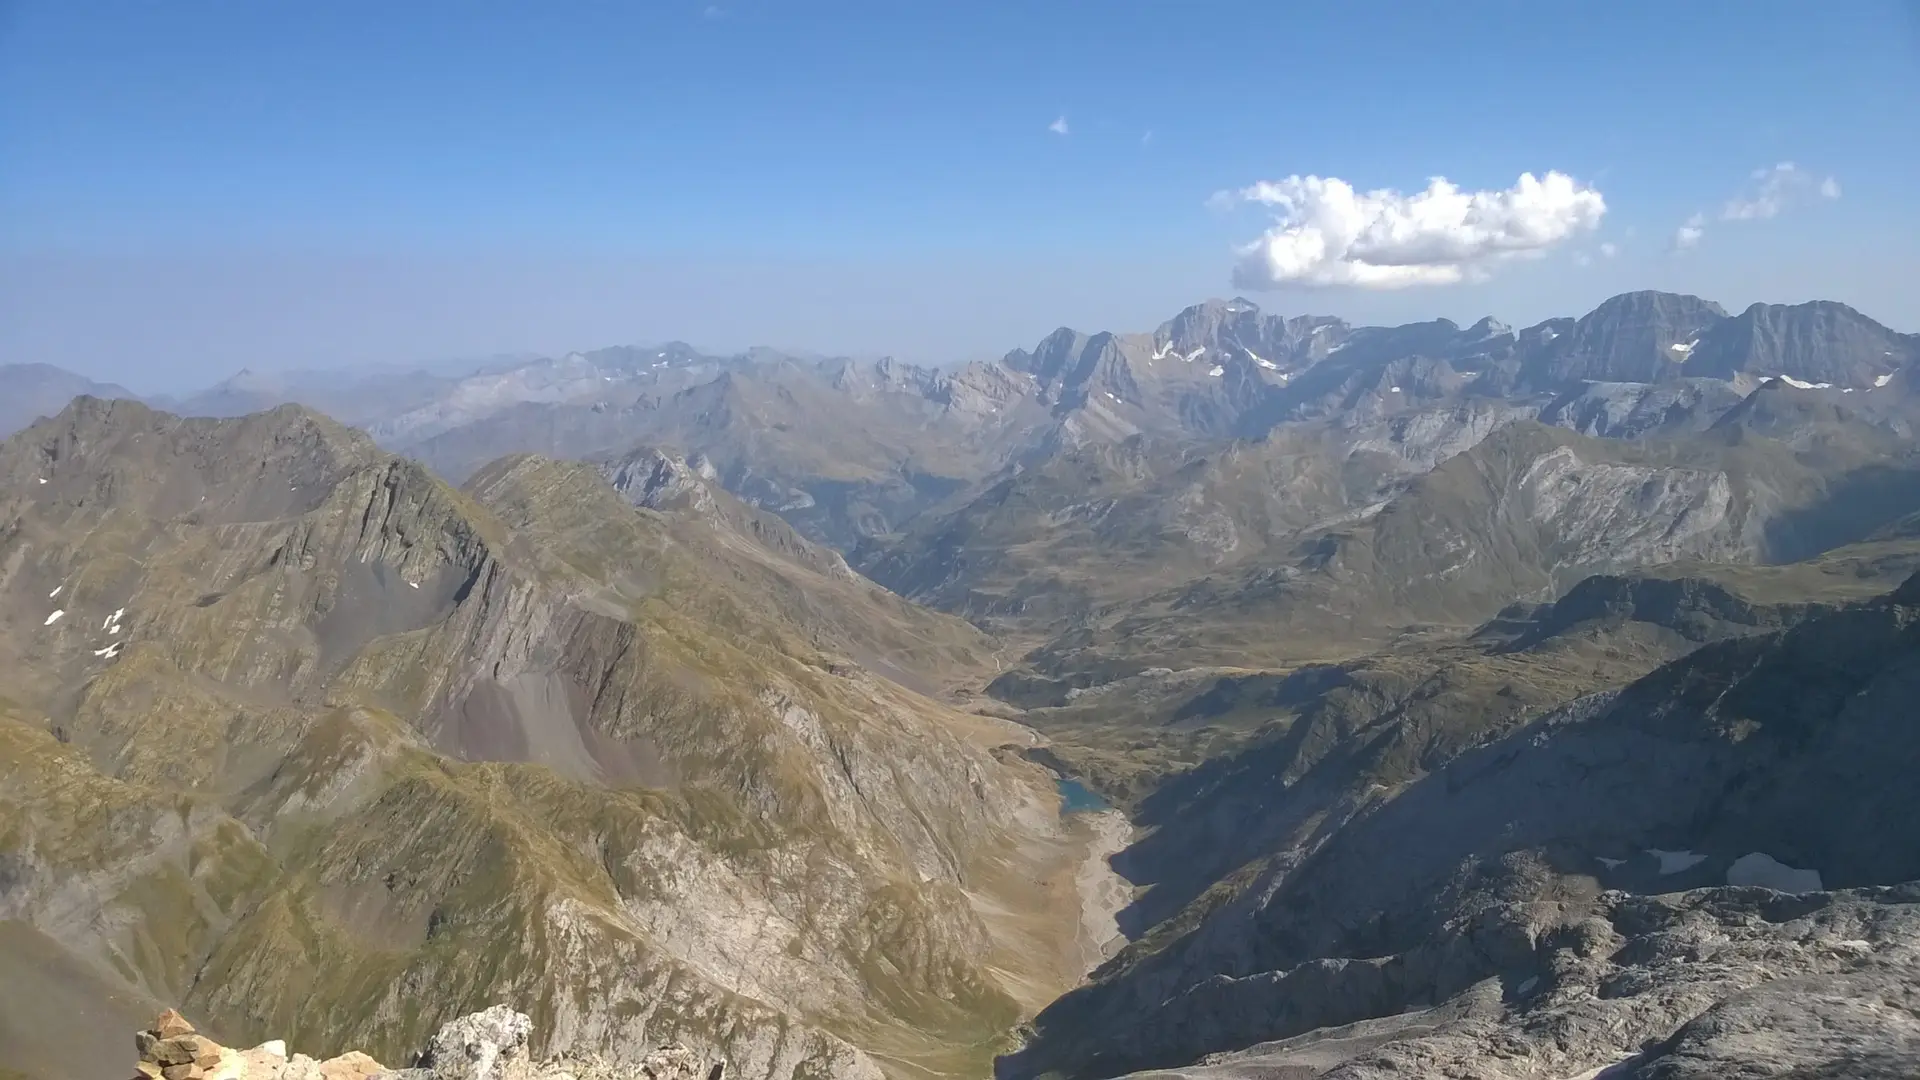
[[172, 1050], [487, 1045]]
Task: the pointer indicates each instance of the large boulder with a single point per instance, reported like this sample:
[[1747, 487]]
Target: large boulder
[[487, 1045]]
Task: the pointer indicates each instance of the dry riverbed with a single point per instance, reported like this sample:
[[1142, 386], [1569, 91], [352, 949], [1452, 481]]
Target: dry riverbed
[[1103, 893]]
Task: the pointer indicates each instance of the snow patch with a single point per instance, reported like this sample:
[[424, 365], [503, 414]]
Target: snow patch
[[1195, 354], [43, 479], [413, 584], [1611, 864], [1268, 364], [1798, 385], [113, 619], [109, 652], [1683, 351], [1761, 869], [1217, 371], [1672, 862], [55, 592], [54, 618], [1878, 380], [1393, 389], [1548, 335]]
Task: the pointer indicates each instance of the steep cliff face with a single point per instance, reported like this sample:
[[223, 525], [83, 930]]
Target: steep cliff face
[[484, 743]]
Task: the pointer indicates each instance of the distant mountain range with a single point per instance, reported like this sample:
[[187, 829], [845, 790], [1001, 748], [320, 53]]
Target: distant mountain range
[[1490, 702], [1098, 480], [30, 391]]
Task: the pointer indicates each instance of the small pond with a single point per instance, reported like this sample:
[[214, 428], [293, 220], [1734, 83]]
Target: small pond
[[1078, 798]]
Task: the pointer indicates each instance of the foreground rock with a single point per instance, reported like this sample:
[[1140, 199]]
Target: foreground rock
[[172, 1050], [487, 1045]]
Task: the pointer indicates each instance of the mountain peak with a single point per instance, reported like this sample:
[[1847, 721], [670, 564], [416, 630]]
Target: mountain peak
[[1655, 300]]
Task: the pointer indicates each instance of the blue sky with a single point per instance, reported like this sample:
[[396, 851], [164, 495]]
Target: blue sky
[[190, 187]]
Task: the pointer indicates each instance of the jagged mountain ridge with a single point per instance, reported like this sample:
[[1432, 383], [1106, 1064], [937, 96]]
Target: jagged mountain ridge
[[31, 391], [377, 734], [1216, 370]]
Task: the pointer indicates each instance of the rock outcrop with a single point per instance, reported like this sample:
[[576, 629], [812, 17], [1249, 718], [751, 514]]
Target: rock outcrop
[[492, 1044], [172, 1050]]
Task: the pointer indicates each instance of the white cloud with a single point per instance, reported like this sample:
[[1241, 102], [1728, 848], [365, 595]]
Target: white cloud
[[1769, 197], [1775, 189], [1689, 234], [1609, 249], [1147, 138], [1326, 233], [1059, 126], [1581, 258]]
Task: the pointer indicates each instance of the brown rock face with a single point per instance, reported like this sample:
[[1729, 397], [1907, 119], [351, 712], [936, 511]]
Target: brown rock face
[[170, 1025], [172, 1050]]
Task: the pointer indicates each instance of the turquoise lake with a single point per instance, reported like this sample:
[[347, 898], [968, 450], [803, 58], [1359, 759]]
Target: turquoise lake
[[1077, 798]]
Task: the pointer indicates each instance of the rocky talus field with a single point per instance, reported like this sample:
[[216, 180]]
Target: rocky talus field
[[1258, 696]]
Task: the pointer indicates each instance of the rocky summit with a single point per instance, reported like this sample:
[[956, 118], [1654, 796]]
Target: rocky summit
[[492, 1044], [1253, 697]]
